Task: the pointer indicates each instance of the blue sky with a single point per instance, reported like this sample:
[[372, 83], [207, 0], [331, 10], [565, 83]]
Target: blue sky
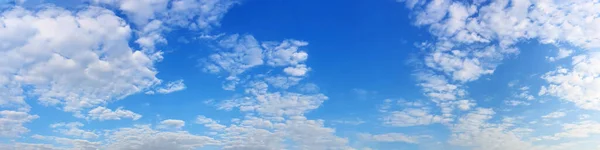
[[260, 75]]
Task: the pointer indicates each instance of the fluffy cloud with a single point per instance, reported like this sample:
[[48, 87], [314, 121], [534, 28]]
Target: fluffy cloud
[[73, 129], [583, 129], [103, 113], [76, 60], [243, 52], [258, 133], [277, 104], [71, 143], [144, 137], [580, 85], [191, 14], [11, 123], [282, 81], [298, 70], [473, 130], [510, 21], [562, 53], [171, 124], [240, 53], [209, 123], [473, 37]]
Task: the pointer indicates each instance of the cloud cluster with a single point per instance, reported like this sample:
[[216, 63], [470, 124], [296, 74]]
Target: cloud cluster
[[471, 40], [76, 60], [579, 85], [241, 52]]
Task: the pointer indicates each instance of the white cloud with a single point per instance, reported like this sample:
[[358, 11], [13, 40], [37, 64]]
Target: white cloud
[[209, 123], [554, 115], [472, 130], [516, 103], [139, 11], [392, 137], [274, 104], [303, 133], [583, 129], [508, 22], [286, 53], [73, 143], [282, 81], [169, 87], [191, 14], [579, 85], [76, 60], [460, 66], [12, 123], [411, 117], [298, 70], [562, 53], [171, 124], [103, 113], [241, 53], [73, 129], [144, 137], [207, 13]]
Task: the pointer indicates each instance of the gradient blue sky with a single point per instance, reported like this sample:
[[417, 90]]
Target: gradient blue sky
[[292, 74]]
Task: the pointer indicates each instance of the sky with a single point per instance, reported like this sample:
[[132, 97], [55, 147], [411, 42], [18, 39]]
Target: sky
[[300, 74]]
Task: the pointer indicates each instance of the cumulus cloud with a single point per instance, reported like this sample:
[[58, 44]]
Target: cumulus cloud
[[103, 113], [73, 129], [240, 53], [191, 14], [209, 123], [257, 133], [473, 130], [298, 70], [583, 129], [282, 81], [72, 143], [562, 53], [74, 59], [12, 123], [579, 85], [471, 40], [171, 124], [144, 137]]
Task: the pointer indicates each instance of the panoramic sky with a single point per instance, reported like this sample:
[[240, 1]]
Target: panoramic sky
[[300, 74]]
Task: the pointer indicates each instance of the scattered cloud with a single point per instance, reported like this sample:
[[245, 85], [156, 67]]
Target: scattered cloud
[[103, 113], [171, 124], [73, 129], [12, 123], [562, 53], [555, 115], [578, 85]]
